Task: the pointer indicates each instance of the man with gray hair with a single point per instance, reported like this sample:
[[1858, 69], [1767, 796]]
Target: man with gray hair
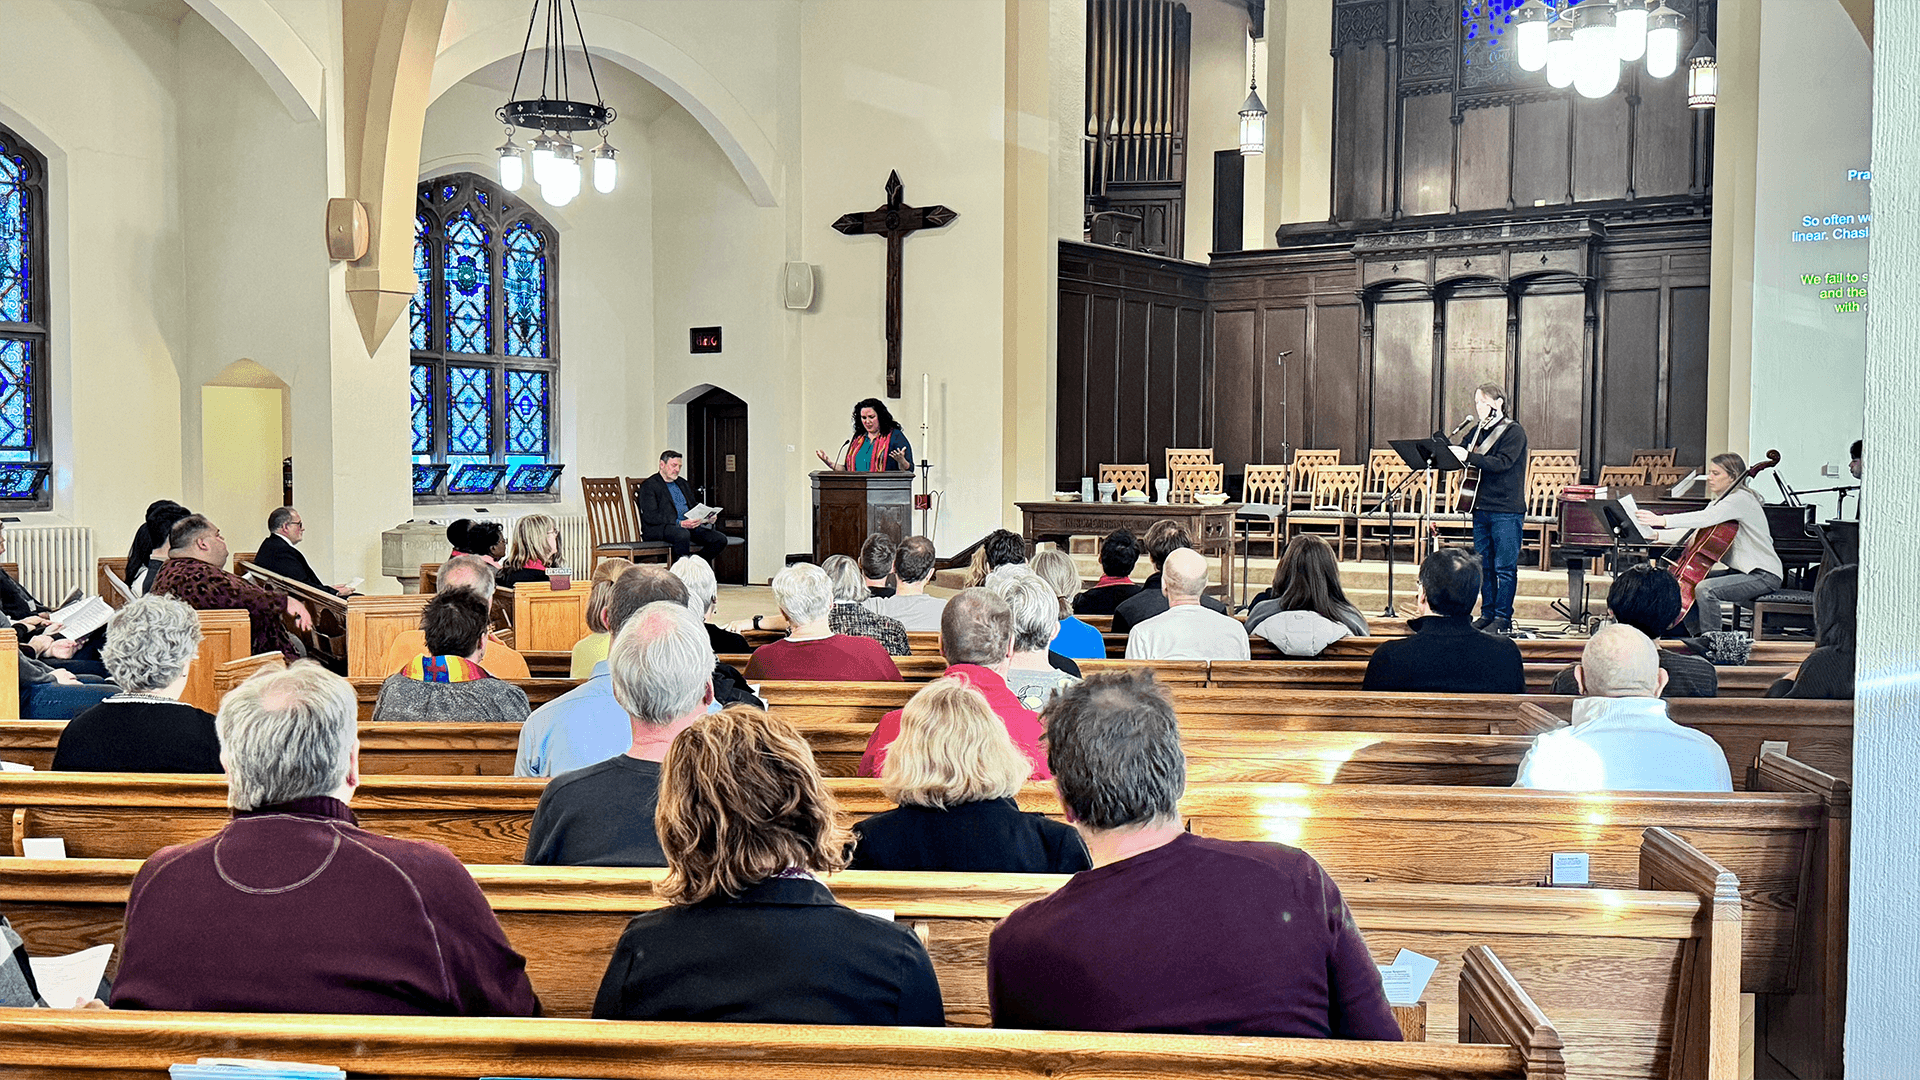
[[602, 815], [462, 572], [1187, 630], [1172, 931], [278, 555], [976, 634], [1621, 738], [811, 649], [293, 908]]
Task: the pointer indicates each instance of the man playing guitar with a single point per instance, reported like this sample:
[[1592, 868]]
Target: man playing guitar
[[1752, 567], [1495, 454]]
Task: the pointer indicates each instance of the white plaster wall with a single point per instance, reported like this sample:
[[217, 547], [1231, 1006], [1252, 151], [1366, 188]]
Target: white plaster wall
[[1216, 88], [930, 105], [1808, 385], [1884, 945], [242, 436], [115, 263]]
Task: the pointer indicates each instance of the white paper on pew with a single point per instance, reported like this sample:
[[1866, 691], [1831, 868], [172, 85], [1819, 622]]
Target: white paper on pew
[[877, 912], [1568, 868], [43, 847], [14, 766], [63, 980], [1406, 978], [253, 1069]]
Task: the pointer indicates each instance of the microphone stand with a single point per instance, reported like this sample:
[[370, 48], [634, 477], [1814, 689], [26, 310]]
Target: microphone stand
[[1386, 503], [1840, 507]]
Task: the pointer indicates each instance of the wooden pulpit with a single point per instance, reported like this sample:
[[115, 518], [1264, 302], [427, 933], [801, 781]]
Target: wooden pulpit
[[847, 506]]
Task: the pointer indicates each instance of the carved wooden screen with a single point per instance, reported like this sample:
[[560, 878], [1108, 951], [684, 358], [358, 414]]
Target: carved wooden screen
[[1136, 156]]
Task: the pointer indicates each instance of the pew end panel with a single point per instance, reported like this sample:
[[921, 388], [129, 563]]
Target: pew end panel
[[234, 672], [106, 573], [550, 620], [326, 641], [10, 688], [1801, 1033], [373, 622], [1494, 1008], [1707, 1014], [225, 635]]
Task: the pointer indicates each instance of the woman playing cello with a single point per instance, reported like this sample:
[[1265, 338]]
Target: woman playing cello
[[1751, 568]]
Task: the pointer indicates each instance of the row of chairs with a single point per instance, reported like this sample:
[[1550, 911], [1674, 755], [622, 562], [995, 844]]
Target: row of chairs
[[613, 521]]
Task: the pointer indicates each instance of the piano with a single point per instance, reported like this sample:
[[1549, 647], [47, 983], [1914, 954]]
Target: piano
[[1584, 536]]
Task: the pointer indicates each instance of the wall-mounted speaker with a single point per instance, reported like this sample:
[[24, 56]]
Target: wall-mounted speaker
[[799, 286], [347, 231]]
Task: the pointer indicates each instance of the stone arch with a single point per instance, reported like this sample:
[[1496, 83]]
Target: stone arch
[[654, 59], [283, 60]]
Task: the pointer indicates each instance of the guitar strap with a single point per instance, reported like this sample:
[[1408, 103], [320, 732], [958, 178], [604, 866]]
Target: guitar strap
[[1488, 437]]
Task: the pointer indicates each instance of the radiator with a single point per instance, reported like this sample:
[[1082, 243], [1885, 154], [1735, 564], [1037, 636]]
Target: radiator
[[54, 561], [576, 543]]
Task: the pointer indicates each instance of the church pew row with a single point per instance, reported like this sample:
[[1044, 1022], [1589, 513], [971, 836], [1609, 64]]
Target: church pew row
[[1504, 1035], [1644, 977], [1770, 837]]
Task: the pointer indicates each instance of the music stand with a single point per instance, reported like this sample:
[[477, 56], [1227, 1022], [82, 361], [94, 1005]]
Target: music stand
[[1622, 526], [1420, 456]]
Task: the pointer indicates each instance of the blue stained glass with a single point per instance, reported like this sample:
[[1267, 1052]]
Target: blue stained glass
[[482, 196], [16, 394], [20, 482], [422, 377], [448, 192], [527, 413], [469, 412], [422, 272], [524, 272], [469, 293], [16, 232]]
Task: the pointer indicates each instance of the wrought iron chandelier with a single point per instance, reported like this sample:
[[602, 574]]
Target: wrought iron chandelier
[[553, 115], [1585, 43]]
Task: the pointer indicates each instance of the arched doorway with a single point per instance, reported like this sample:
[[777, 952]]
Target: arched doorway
[[717, 466]]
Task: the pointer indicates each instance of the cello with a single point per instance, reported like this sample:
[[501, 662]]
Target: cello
[[1706, 547]]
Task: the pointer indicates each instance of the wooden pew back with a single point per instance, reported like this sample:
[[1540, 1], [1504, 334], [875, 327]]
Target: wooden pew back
[[548, 621], [373, 622], [9, 688], [225, 635], [327, 640]]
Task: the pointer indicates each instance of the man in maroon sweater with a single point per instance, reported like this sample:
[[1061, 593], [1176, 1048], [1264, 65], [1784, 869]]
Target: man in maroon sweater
[[1172, 932], [291, 907]]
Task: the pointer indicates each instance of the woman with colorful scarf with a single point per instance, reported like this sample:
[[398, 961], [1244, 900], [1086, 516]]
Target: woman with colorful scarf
[[877, 445]]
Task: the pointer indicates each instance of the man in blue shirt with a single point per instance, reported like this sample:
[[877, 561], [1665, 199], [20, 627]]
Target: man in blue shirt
[[665, 502]]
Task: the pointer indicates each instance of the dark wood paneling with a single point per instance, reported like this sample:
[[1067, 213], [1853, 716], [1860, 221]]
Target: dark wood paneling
[[1426, 155], [1687, 380], [1070, 383], [1486, 144], [1402, 370], [1103, 370], [1361, 116], [1284, 330], [1600, 149], [1548, 395], [1162, 363], [1130, 435], [1476, 354], [1540, 176], [1189, 401], [1233, 335], [1630, 374], [1229, 200], [1662, 139], [1336, 420]]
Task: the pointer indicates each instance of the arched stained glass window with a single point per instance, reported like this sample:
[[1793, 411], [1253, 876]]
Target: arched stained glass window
[[24, 324], [485, 363]]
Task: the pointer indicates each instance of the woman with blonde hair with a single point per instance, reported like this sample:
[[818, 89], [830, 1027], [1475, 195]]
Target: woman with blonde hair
[[592, 649], [954, 772], [750, 934], [1077, 640], [536, 550]]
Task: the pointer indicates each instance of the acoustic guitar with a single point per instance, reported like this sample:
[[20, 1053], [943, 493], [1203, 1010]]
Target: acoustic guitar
[[1706, 547], [1470, 481]]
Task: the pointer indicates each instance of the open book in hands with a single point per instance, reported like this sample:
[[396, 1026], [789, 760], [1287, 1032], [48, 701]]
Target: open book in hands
[[703, 514]]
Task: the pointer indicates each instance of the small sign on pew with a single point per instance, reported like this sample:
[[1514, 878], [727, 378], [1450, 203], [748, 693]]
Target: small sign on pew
[[43, 847], [253, 1069], [1406, 978], [1567, 869]]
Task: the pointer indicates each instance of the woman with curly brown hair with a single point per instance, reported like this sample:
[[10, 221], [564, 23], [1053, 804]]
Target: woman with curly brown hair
[[750, 934]]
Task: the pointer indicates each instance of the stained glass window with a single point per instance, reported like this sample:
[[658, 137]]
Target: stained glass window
[[422, 379], [524, 270], [488, 267], [469, 299], [527, 414], [24, 451], [423, 274]]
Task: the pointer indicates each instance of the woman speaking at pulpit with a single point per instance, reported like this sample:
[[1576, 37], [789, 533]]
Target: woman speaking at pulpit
[[877, 445]]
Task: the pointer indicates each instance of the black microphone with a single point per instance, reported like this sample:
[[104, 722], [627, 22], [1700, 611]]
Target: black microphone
[[1463, 425]]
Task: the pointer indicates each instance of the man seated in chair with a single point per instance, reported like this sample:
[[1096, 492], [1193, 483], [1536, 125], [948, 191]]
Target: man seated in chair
[[1446, 654], [1647, 598], [293, 908], [1621, 738], [473, 573], [195, 573], [278, 555], [666, 500]]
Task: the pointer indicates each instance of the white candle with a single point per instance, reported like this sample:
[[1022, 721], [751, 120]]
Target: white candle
[[923, 403]]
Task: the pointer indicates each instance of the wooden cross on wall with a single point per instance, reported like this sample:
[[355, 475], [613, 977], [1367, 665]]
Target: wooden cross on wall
[[894, 220]]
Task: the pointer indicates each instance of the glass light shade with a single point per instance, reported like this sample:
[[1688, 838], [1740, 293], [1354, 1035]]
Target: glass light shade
[[1561, 59], [1663, 51], [1596, 68], [1253, 126], [542, 158], [1703, 83], [1630, 30], [512, 170], [1531, 46], [606, 171]]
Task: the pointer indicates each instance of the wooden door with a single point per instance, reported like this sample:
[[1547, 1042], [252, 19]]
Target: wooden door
[[717, 465]]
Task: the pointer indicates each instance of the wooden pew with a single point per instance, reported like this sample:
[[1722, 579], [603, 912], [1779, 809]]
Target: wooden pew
[[9, 688], [1817, 733], [548, 621], [105, 573], [327, 640], [1749, 681], [373, 622], [1563, 651], [1641, 975], [1503, 1034], [927, 668], [225, 635]]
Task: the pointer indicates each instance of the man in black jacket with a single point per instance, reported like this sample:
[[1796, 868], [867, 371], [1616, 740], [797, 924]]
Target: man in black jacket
[[277, 554], [1446, 654], [1498, 448], [665, 502]]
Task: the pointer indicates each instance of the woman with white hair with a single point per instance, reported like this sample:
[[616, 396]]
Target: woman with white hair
[[953, 773], [145, 727], [1077, 640], [849, 614], [703, 596], [1036, 620], [811, 650]]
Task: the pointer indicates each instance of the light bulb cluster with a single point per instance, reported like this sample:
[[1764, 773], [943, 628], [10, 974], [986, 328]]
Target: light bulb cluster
[[555, 161], [1584, 45]]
